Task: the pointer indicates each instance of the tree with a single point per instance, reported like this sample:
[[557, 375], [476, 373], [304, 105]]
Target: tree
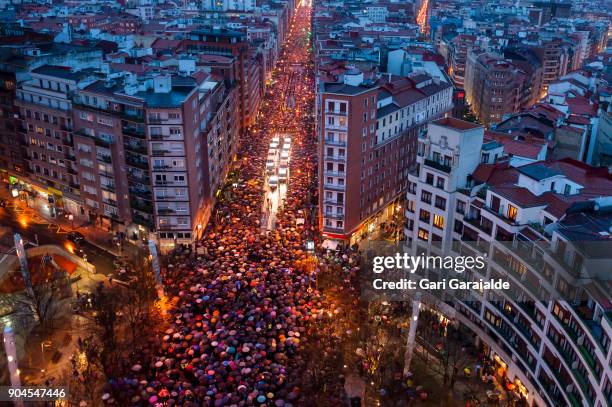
[[106, 306], [85, 379], [139, 309], [47, 301]]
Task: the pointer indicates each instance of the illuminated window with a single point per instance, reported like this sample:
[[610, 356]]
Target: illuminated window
[[438, 221], [423, 234], [512, 212]]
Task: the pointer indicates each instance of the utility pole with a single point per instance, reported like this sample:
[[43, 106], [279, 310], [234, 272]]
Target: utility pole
[[11, 356], [410, 342]]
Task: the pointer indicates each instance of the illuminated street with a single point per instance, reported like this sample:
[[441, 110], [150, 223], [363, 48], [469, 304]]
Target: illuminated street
[[422, 16], [244, 306]]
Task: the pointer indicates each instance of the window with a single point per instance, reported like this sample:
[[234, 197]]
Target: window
[[429, 178], [86, 116], [552, 186], [458, 226], [512, 212], [485, 158], [438, 221], [105, 122], [424, 216], [423, 234], [426, 197], [440, 203], [567, 189], [410, 206], [440, 182]]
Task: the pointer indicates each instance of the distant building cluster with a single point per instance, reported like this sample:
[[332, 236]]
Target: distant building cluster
[[128, 114], [535, 73]]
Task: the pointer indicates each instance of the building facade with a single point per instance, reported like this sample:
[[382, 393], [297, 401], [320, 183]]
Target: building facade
[[543, 227], [367, 141]]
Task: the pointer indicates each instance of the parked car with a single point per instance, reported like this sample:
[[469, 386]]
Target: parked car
[[75, 237]]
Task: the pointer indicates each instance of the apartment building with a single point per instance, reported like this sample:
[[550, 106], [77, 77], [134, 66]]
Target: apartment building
[[140, 155], [545, 228], [367, 141], [458, 50], [23, 50], [154, 152], [555, 55], [45, 111]]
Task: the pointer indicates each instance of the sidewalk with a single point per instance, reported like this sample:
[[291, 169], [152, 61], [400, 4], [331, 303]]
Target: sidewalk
[[102, 239]]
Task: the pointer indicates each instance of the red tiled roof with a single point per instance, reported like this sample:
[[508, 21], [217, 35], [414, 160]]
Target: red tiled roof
[[578, 120], [529, 148], [519, 195], [581, 106]]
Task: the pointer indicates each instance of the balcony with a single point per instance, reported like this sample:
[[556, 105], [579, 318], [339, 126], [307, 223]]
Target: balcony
[[104, 158], [141, 206], [438, 166], [335, 158], [501, 216], [159, 136], [333, 202], [333, 229], [107, 187], [595, 327], [477, 222], [333, 215], [138, 164], [165, 197], [132, 116], [334, 187], [165, 211], [134, 132], [98, 141], [155, 119], [69, 156], [136, 148], [165, 153], [109, 201], [336, 126], [336, 113], [163, 182], [333, 142], [161, 167], [68, 142], [142, 220]]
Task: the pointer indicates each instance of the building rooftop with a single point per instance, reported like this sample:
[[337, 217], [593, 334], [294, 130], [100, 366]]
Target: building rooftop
[[344, 89], [538, 171], [456, 124], [62, 72]]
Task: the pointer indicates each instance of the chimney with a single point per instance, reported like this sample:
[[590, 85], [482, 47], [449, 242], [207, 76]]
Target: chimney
[[162, 83]]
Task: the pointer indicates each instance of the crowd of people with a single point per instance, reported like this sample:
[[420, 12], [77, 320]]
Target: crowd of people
[[245, 297]]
